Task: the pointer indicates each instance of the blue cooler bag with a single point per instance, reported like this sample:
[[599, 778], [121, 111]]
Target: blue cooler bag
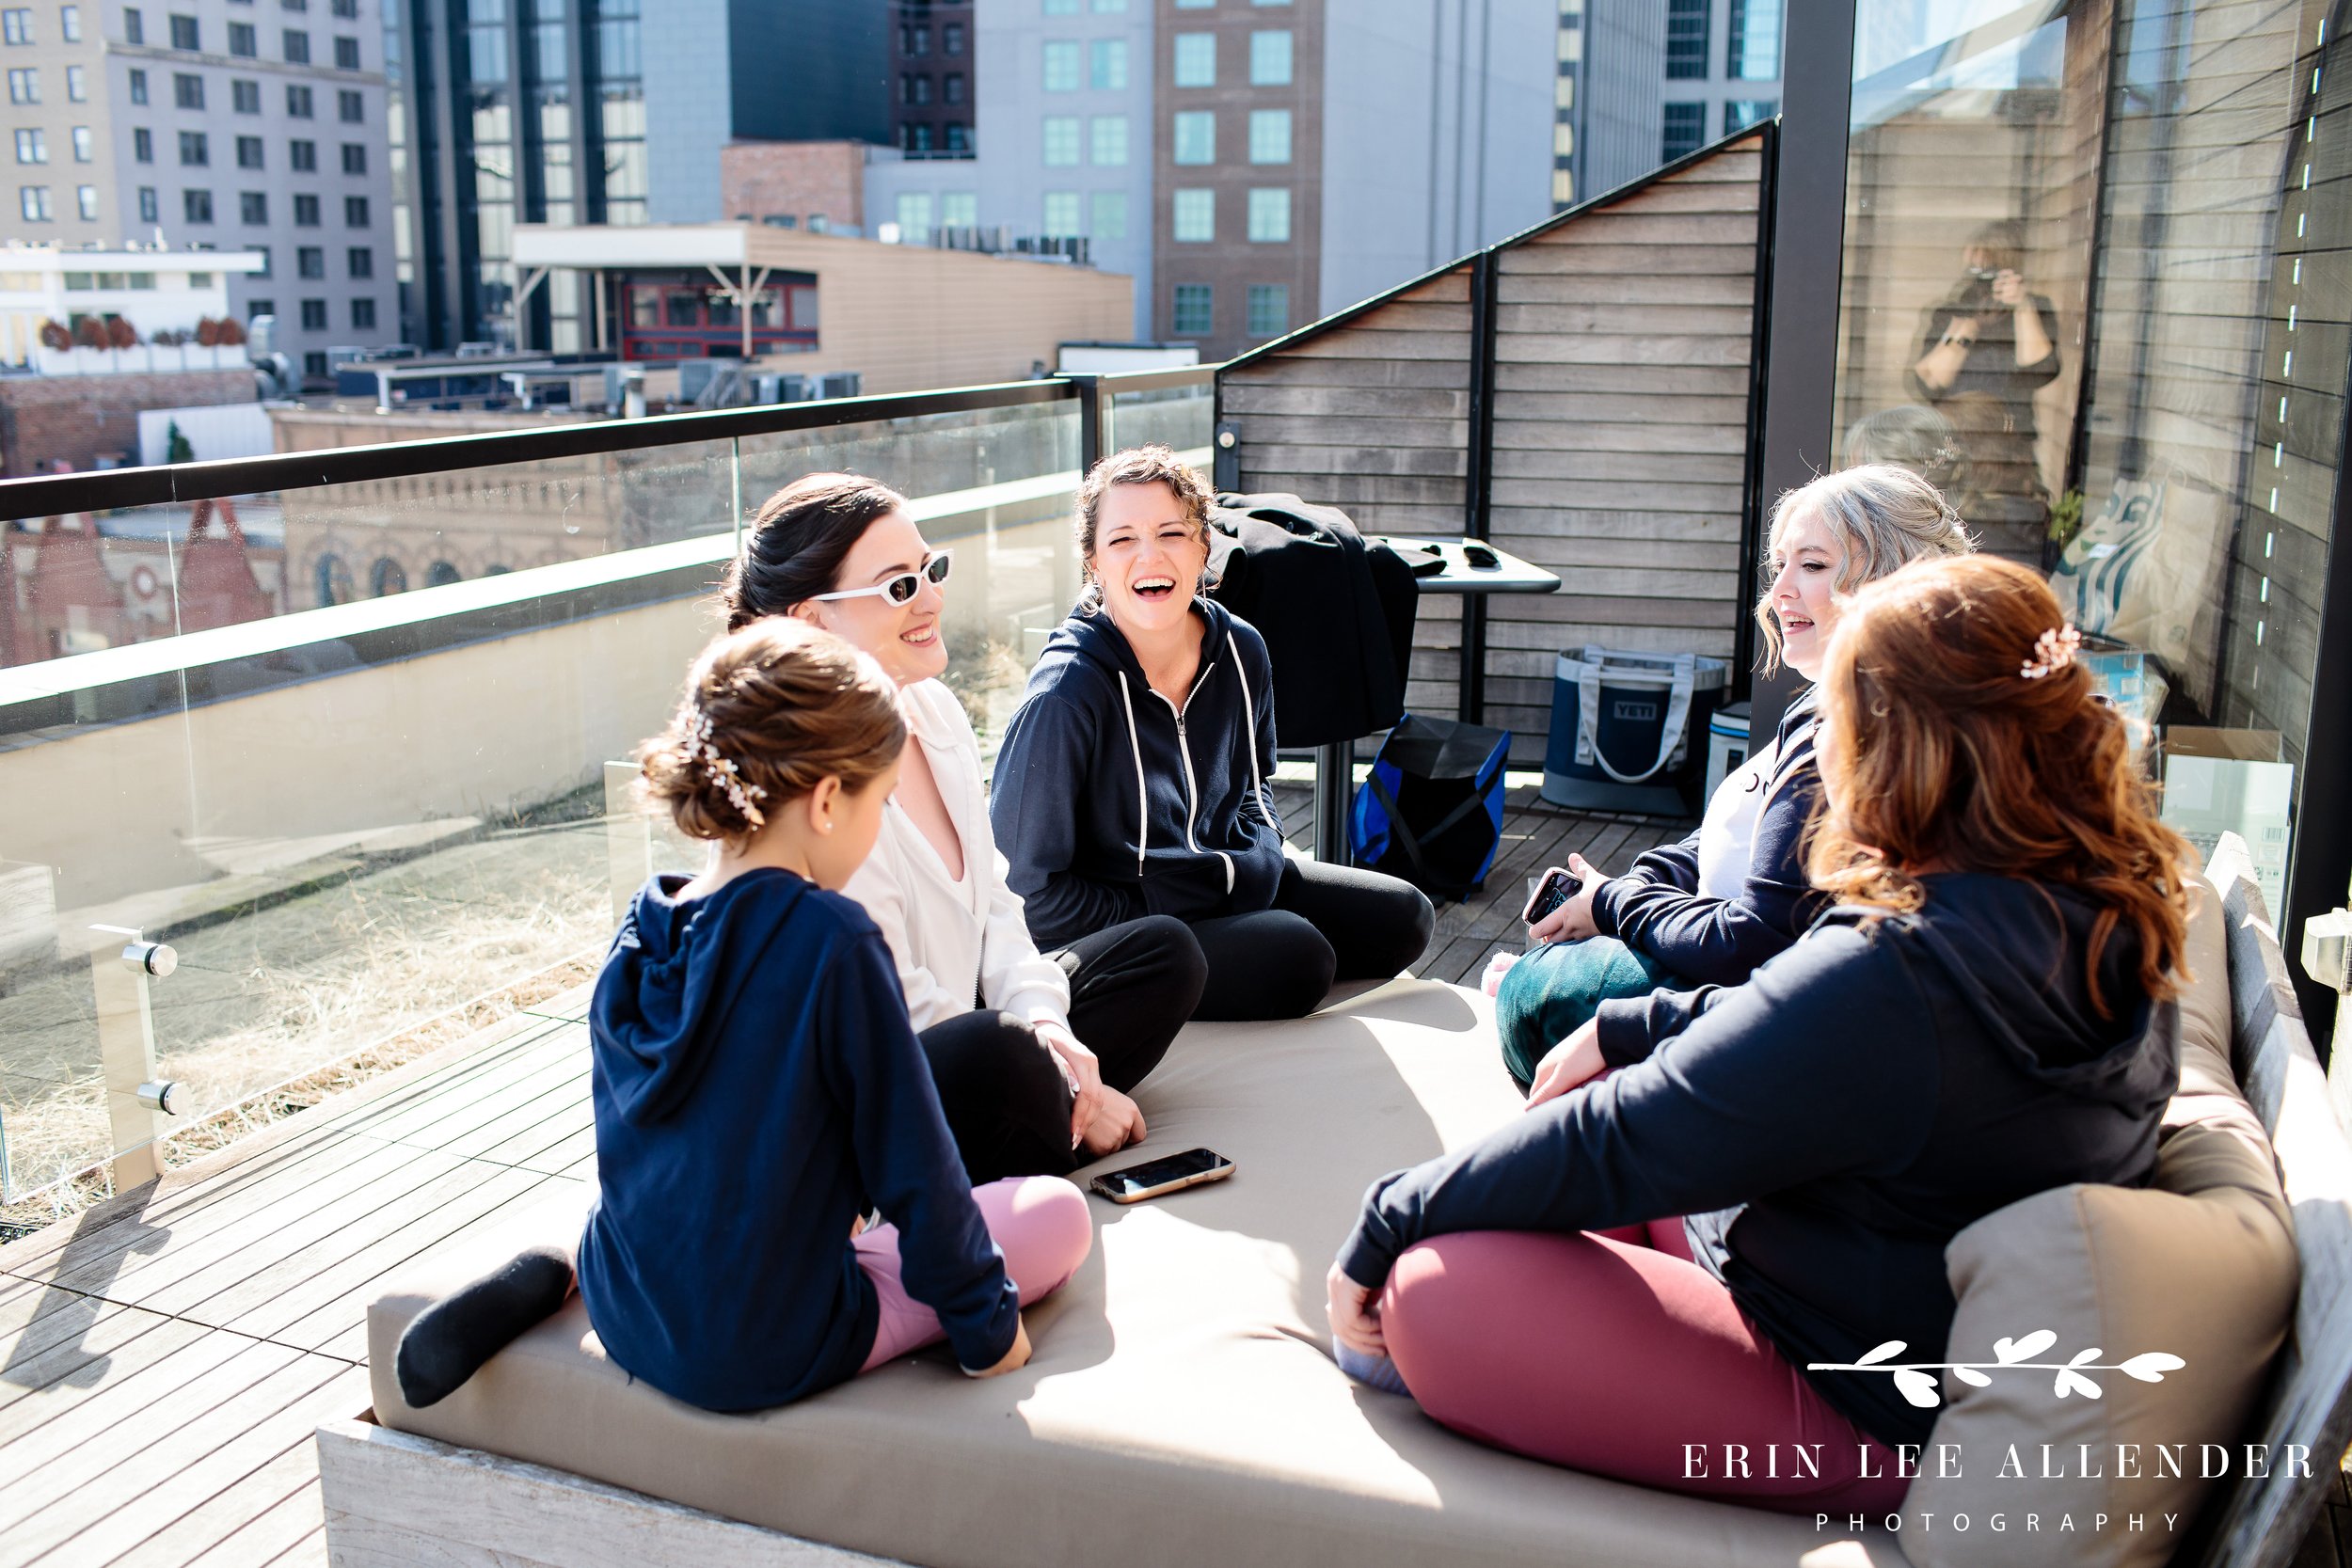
[[1431, 812], [1621, 729]]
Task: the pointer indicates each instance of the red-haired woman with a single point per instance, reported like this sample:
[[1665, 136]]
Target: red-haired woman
[[1985, 1014]]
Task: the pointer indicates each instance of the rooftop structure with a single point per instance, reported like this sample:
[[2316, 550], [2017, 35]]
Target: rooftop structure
[[609, 113], [154, 290], [903, 316]]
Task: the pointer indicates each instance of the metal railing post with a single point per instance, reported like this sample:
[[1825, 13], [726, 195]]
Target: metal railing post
[[627, 837], [1094, 420], [136, 1100]]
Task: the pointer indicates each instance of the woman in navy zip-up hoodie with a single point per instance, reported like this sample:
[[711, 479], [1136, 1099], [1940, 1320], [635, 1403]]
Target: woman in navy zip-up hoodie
[[1133, 778], [1709, 909], [1987, 1014]]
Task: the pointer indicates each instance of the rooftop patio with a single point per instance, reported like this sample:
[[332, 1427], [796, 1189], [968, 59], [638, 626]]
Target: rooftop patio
[[164, 1358], [379, 826]]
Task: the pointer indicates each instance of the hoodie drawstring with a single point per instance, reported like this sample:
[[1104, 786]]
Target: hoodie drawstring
[[1249, 743], [1143, 801]]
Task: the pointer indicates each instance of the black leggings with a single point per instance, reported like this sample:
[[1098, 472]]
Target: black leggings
[[1328, 923], [1131, 988]]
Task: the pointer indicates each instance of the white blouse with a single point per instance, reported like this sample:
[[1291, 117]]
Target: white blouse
[[950, 938], [1727, 832]]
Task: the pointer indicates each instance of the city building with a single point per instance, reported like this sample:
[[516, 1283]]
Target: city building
[[903, 317], [932, 79], [1645, 82], [1250, 166], [530, 111], [153, 290], [213, 123]]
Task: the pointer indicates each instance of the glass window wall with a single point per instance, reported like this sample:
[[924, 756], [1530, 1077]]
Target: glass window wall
[[2096, 285]]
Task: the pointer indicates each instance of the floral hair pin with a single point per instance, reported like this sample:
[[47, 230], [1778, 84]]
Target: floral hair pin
[[724, 772], [2053, 651]]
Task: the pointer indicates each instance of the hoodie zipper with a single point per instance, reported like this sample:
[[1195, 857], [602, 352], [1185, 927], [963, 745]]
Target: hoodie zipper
[[1192, 789]]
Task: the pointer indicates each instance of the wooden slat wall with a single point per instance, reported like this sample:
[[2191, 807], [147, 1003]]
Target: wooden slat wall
[[1374, 417], [1624, 337], [1622, 350]]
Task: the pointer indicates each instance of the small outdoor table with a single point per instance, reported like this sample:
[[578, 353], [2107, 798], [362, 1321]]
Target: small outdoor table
[[1335, 769]]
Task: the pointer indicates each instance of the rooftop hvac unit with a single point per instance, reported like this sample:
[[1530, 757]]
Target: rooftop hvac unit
[[839, 384]]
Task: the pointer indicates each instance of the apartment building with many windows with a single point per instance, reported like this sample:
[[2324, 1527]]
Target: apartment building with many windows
[[933, 78], [1643, 81], [1253, 164], [233, 124]]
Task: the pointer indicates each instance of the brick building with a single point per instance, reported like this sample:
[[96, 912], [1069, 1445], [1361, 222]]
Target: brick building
[[74, 420]]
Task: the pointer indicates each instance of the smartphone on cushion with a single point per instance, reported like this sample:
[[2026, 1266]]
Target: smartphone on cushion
[[1169, 1174]]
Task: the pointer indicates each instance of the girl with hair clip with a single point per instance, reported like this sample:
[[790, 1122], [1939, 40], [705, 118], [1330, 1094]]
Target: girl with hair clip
[[1133, 779], [1709, 910], [757, 1090], [1034, 1054], [1987, 1013]]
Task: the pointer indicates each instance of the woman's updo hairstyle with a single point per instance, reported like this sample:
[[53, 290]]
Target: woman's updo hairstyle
[[1154, 464], [1962, 734], [1882, 517], [796, 543], [770, 710]]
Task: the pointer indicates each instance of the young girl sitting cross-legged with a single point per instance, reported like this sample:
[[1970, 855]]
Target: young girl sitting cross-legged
[[757, 1088]]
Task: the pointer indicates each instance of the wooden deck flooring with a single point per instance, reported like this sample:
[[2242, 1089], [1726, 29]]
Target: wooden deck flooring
[[163, 1360]]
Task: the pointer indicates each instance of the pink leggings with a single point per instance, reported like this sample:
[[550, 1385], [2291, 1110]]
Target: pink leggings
[[1616, 1354], [1039, 1224]]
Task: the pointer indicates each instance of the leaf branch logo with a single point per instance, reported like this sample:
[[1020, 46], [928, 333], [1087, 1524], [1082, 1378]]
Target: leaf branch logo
[[1912, 1382]]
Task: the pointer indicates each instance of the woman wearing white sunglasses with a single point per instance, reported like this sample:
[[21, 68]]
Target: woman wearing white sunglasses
[[1033, 1055]]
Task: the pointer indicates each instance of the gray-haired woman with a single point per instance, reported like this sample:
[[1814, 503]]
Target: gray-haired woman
[[1711, 909]]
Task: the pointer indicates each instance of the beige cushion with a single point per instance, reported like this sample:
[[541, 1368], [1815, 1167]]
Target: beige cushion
[[1181, 1409], [2201, 1265], [2205, 1064]]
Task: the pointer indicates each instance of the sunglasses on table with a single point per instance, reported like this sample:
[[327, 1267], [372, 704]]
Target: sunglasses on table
[[902, 588]]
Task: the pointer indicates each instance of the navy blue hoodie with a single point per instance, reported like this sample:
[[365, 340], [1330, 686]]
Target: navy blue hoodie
[[1109, 803], [1829, 1127], [1656, 908], [757, 1088]]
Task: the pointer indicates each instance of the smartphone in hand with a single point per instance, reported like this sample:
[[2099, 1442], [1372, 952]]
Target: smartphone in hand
[[1558, 886]]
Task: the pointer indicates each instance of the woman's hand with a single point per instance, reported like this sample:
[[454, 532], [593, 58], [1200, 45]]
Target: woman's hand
[[1564, 1066], [1355, 1319], [1081, 1071], [1573, 920], [2009, 289], [1119, 1123], [1014, 1359]]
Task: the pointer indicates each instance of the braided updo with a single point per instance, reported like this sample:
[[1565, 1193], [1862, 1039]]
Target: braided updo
[[770, 711]]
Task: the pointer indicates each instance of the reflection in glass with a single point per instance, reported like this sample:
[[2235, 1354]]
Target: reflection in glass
[[2094, 286]]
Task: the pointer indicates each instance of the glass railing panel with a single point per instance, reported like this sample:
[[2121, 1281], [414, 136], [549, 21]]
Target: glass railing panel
[[996, 487], [77, 778], [1179, 417], [366, 820], [53, 1102]]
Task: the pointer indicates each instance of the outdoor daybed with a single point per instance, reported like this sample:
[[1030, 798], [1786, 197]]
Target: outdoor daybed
[[1183, 1412]]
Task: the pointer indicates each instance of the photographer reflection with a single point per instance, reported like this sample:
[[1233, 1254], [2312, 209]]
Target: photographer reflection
[[1987, 349]]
